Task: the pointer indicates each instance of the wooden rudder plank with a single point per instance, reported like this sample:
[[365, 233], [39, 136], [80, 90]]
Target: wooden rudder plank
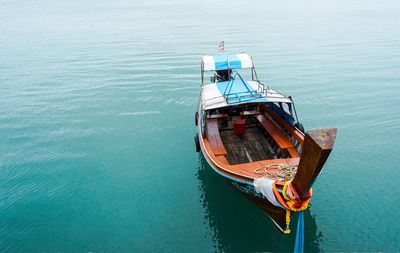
[[317, 146]]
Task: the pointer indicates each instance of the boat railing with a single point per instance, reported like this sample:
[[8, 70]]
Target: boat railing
[[249, 94], [262, 88], [237, 97]]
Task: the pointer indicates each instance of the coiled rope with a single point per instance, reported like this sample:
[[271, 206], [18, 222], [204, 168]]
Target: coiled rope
[[283, 171]]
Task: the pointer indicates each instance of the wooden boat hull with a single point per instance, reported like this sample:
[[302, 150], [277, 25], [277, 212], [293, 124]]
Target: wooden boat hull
[[245, 186]]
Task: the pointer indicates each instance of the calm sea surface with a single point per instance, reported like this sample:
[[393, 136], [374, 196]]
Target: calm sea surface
[[97, 102]]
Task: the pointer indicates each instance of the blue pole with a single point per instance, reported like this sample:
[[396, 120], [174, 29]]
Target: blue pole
[[299, 244]]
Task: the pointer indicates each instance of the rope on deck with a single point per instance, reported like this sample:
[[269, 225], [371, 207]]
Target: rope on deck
[[283, 171]]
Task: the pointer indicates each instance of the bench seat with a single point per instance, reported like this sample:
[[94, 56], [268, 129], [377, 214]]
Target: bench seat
[[293, 131], [293, 152], [280, 138], [214, 138]]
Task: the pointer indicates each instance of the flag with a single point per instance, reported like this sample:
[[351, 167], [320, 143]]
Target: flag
[[221, 46]]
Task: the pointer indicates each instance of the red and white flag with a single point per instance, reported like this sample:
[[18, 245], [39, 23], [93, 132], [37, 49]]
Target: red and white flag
[[221, 46]]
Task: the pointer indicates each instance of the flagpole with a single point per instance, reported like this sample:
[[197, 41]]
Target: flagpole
[[221, 46]]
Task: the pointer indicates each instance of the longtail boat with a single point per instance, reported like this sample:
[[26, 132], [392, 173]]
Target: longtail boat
[[250, 134]]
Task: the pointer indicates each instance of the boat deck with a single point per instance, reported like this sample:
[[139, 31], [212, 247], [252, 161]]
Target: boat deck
[[247, 171], [251, 147], [264, 144]]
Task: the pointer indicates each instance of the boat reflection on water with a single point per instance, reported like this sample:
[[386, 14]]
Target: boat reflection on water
[[238, 225]]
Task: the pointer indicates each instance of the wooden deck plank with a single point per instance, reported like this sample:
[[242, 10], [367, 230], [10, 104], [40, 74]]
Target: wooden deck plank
[[251, 168], [223, 159], [273, 161], [293, 161], [250, 147]]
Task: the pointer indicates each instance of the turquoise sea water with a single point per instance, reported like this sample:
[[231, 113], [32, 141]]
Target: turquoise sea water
[[97, 102]]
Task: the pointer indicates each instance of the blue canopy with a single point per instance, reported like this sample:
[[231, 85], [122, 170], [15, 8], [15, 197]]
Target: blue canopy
[[226, 61]]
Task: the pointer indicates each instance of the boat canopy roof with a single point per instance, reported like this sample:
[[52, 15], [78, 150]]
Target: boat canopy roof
[[226, 61], [235, 92]]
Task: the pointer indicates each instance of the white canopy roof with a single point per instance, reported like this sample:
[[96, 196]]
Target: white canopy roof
[[226, 61], [217, 95]]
